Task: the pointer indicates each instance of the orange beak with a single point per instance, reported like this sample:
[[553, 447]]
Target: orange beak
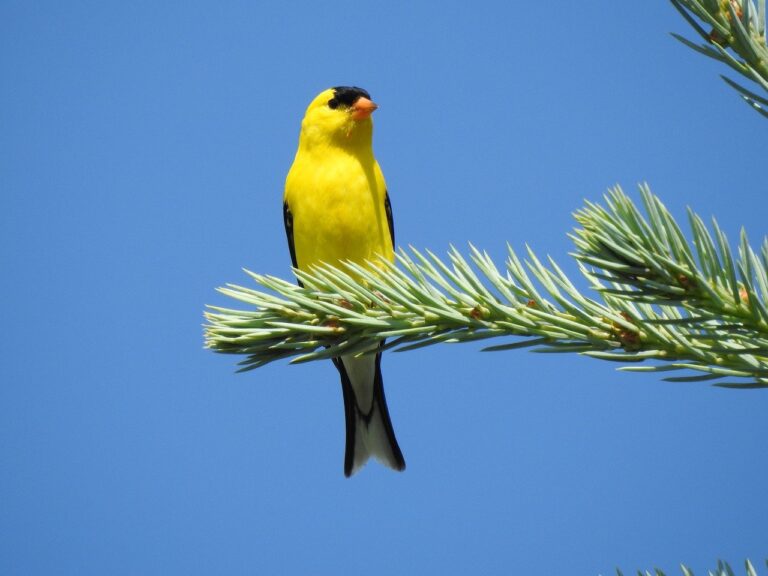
[[363, 108]]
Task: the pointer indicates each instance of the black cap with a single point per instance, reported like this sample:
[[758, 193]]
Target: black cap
[[346, 96]]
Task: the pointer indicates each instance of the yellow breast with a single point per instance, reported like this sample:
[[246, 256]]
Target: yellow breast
[[337, 201]]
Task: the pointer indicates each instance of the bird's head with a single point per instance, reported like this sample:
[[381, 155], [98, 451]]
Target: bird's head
[[339, 116]]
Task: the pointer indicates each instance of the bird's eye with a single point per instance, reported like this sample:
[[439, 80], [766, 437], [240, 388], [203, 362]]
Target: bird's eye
[[333, 103]]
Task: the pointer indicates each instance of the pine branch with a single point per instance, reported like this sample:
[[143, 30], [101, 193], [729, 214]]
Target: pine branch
[[737, 38], [687, 306], [723, 569]]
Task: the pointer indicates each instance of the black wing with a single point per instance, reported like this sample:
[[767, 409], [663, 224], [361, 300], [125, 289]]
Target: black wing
[[390, 221], [288, 221]]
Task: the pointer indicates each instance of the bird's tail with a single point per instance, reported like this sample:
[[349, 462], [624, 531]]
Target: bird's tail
[[369, 428]]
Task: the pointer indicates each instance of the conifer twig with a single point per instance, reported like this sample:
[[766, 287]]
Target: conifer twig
[[737, 38], [723, 569], [692, 306]]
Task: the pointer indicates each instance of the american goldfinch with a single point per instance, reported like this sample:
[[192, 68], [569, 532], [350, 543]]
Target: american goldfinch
[[336, 208]]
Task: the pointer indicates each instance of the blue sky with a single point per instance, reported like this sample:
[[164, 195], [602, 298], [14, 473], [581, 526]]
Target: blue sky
[[142, 157]]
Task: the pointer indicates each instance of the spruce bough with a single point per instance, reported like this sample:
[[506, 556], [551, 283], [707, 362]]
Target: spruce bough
[[662, 303], [736, 36]]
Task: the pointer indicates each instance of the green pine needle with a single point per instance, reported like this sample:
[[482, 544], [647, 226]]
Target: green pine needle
[[723, 569], [681, 304], [736, 37]]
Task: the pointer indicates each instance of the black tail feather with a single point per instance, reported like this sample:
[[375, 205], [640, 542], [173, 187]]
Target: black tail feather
[[354, 417]]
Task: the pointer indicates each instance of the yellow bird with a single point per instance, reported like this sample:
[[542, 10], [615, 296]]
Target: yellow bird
[[336, 208]]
